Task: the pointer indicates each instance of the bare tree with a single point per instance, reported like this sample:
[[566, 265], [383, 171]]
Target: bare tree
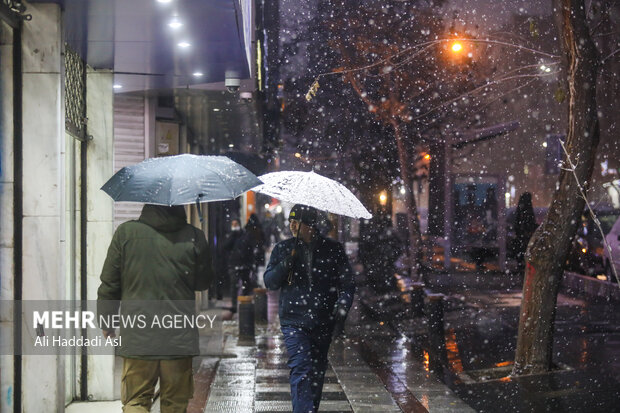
[[549, 247], [400, 72], [411, 72]]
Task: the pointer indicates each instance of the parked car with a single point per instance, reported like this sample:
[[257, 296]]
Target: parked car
[[588, 252], [613, 240]]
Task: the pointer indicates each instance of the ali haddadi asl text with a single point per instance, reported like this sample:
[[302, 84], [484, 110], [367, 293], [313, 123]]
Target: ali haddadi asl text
[[77, 341]]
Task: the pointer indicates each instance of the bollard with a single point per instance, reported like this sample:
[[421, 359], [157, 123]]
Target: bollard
[[246, 316], [417, 299], [260, 305], [433, 308]]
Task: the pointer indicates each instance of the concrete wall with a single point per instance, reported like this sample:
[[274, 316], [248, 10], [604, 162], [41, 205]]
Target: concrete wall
[[6, 218], [44, 257], [100, 209], [43, 193]]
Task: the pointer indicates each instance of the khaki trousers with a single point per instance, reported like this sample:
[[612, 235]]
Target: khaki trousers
[[176, 384]]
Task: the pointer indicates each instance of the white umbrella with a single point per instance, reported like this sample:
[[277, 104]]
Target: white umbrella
[[312, 189]]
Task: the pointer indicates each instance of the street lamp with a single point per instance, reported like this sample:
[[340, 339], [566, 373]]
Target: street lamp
[[383, 198], [457, 51]]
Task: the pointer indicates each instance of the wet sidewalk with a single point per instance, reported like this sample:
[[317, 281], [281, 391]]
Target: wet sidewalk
[[479, 334], [370, 369], [253, 377]]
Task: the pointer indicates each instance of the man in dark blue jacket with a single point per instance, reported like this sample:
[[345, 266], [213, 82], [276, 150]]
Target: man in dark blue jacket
[[316, 290]]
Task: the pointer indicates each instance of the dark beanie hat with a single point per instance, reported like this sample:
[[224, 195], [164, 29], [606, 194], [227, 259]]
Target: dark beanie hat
[[305, 214]]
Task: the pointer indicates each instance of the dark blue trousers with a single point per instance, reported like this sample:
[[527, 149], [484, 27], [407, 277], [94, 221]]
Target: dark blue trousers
[[307, 358]]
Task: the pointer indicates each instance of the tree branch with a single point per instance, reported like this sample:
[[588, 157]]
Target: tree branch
[[426, 45], [609, 56], [479, 88], [592, 214]]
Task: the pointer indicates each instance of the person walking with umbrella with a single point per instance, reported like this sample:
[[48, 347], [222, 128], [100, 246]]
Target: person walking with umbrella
[[161, 259], [316, 286], [154, 266]]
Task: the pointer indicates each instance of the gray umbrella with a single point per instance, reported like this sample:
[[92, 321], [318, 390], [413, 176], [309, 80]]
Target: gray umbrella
[[180, 180]]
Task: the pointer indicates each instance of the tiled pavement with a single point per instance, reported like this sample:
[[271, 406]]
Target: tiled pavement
[[253, 377], [256, 380], [368, 372], [409, 381]]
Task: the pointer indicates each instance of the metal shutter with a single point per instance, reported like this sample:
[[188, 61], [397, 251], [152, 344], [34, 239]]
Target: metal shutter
[[129, 146]]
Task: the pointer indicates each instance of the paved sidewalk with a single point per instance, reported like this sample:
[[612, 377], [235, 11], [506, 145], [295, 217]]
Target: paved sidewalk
[[370, 370], [408, 379], [253, 377]]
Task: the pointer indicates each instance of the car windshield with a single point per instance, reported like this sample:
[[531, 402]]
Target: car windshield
[[608, 221]]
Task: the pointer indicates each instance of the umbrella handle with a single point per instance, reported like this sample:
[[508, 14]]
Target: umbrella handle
[[198, 207]]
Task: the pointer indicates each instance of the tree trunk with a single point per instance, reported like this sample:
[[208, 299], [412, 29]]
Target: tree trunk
[[549, 247], [415, 238]]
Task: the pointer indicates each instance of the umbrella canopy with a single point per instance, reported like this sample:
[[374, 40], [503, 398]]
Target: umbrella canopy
[[180, 180], [312, 189]]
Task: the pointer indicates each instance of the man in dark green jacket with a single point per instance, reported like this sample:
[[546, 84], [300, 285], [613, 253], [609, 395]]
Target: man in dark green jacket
[[153, 268]]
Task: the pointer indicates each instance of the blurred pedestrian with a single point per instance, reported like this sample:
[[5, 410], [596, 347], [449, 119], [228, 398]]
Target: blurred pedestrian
[[316, 287], [258, 238], [227, 247], [380, 259], [324, 225], [246, 255], [525, 225], [162, 258], [271, 229]]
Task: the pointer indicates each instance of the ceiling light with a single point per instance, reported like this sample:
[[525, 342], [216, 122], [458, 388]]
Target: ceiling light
[[197, 74], [164, 1], [216, 109], [183, 44], [175, 23], [117, 86]]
